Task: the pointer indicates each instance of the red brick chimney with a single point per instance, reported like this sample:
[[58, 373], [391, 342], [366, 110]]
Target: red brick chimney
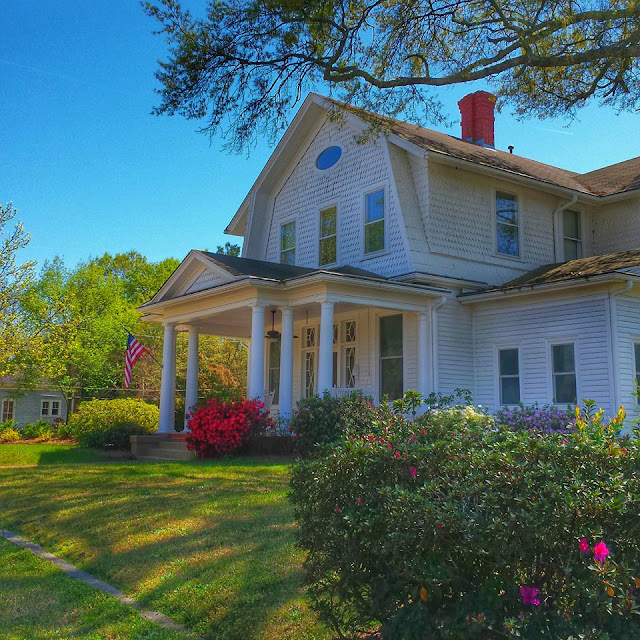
[[478, 120]]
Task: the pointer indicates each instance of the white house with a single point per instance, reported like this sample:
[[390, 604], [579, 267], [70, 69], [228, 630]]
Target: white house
[[418, 260]]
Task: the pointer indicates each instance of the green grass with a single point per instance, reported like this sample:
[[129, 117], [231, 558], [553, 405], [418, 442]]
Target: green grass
[[209, 544], [39, 601], [44, 454]]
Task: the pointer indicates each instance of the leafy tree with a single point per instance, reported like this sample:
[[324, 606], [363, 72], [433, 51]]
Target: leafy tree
[[245, 64], [229, 249], [15, 278]]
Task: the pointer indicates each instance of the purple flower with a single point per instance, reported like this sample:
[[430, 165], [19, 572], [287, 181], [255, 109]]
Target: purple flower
[[529, 595]]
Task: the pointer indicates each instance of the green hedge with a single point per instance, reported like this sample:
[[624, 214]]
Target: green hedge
[[447, 527], [98, 423]]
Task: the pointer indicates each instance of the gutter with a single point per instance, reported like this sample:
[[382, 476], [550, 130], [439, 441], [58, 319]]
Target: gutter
[[614, 340]]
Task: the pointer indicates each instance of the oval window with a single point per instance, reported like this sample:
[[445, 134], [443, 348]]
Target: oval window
[[328, 158]]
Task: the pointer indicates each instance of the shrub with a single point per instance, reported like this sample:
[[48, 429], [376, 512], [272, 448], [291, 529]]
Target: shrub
[[96, 418], [115, 437], [9, 435], [38, 430], [447, 527], [548, 419], [220, 426], [324, 419], [8, 425]]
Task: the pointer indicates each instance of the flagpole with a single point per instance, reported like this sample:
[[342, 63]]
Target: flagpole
[[145, 348]]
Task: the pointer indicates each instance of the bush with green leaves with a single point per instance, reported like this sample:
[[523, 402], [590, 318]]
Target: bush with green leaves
[[95, 421], [39, 430], [8, 435], [449, 527], [7, 425], [116, 437], [321, 420]]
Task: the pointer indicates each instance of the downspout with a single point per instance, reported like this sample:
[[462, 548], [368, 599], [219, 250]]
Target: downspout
[[556, 213], [614, 340], [434, 342]]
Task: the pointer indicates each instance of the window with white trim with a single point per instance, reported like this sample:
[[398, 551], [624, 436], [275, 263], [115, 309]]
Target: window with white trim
[[8, 409], [374, 214], [507, 224], [391, 357], [636, 351], [564, 373], [309, 359], [509, 374], [328, 243], [344, 354], [273, 378], [288, 242], [572, 234], [50, 408]]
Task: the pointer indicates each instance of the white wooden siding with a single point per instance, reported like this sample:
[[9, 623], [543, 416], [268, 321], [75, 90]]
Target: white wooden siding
[[531, 327], [627, 312], [616, 227]]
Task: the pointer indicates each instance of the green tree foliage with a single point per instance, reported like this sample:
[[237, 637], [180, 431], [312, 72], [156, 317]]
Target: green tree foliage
[[15, 278], [229, 249], [243, 65]]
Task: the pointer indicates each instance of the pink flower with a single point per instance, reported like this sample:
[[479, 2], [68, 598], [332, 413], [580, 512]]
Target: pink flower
[[396, 454], [529, 595], [412, 438], [440, 525], [337, 509], [584, 546], [413, 471], [600, 552], [358, 501], [422, 432], [389, 446]]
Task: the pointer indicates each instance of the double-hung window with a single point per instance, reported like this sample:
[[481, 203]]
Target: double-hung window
[[288, 242], [564, 374], [50, 408], [509, 363], [507, 224], [374, 213], [8, 407], [572, 235], [391, 357], [328, 250]]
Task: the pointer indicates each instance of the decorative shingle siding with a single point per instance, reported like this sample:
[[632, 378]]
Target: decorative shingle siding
[[306, 190], [531, 327], [627, 311], [616, 227], [208, 279]]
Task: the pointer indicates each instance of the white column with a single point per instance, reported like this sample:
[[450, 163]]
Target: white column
[[325, 351], [256, 354], [168, 384], [191, 394], [424, 353], [286, 364]]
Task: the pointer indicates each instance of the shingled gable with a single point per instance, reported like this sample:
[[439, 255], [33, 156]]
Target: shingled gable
[[617, 179]]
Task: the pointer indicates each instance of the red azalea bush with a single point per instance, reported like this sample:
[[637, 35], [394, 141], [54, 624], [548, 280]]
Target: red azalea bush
[[221, 426]]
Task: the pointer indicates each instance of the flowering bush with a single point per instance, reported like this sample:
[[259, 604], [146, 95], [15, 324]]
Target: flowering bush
[[219, 426], [447, 527], [548, 419]]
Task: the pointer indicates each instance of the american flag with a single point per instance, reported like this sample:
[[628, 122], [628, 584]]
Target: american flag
[[134, 350]]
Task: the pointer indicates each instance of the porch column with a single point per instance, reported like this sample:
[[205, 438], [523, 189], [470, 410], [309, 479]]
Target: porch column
[[424, 354], [191, 394], [286, 363], [325, 351], [256, 353], [168, 383]]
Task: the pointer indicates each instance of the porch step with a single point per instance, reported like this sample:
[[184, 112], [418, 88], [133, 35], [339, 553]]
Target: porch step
[[161, 447]]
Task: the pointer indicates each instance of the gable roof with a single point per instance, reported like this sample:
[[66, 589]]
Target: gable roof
[[616, 178], [626, 263]]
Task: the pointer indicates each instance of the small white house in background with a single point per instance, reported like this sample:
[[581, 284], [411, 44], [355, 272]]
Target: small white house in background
[[28, 405], [419, 260]]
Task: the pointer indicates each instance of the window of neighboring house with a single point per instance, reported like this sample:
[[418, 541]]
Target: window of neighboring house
[[288, 242], [328, 251], [564, 374], [374, 222], [508, 361], [636, 349], [45, 408], [55, 407], [507, 224], [274, 369], [572, 235], [309, 355], [391, 357], [8, 409]]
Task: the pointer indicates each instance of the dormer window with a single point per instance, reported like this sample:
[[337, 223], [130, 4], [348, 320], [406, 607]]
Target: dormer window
[[507, 225], [288, 242], [328, 158], [572, 235]]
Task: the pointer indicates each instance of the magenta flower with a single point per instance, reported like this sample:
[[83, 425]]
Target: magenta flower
[[529, 595], [396, 454], [358, 501], [413, 471], [584, 546], [337, 509], [600, 552], [422, 432], [412, 438]]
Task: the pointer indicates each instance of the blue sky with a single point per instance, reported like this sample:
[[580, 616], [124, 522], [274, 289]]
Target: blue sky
[[90, 170]]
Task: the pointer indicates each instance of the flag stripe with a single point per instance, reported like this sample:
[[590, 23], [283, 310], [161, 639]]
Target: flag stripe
[[134, 350]]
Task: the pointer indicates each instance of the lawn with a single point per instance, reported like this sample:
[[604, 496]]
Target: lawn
[[209, 544], [40, 602], [44, 454]]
